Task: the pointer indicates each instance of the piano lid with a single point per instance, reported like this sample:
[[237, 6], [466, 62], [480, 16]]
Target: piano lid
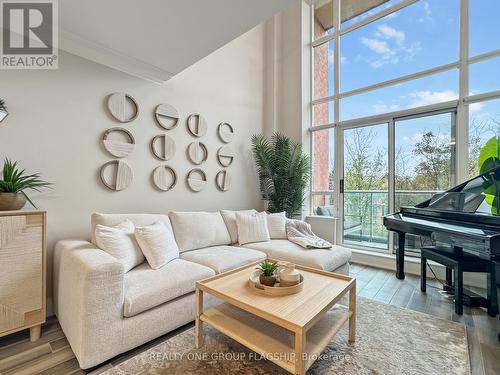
[[479, 195]]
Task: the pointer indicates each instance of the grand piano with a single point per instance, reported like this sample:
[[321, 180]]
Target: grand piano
[[466, 217]]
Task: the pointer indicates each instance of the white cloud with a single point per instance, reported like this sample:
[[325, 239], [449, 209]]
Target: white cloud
[[377, 46], [380, 107], [380, 47], [389, 44], [427, 11], [475, 107], [344, 60], [389, 32], [427, 97]]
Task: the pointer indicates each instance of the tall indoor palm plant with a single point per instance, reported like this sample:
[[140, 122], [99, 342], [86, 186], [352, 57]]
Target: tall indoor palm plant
[[284, 172]]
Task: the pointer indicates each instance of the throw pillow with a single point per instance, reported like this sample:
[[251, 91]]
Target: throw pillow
[[252, 227], [276, 224], [119, 242], [230, 220], [157, 243]]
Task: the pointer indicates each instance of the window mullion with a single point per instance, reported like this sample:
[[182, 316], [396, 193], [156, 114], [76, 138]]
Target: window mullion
[[462, 120]]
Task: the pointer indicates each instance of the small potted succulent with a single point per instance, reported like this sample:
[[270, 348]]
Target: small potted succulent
[[268, 276], [13, 183]]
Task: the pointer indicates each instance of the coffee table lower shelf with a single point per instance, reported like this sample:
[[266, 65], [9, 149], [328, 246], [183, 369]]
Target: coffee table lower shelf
[[272, 341]]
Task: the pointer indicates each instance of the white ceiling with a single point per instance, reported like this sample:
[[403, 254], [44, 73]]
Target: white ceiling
[[156, 39]]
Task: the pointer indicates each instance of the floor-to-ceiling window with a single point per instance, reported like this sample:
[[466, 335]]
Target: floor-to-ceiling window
[[404, 95]]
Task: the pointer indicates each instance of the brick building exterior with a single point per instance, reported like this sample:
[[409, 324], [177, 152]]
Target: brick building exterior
[[320, 151]]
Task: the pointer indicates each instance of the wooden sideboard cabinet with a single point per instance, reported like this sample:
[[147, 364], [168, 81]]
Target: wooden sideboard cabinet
[[23, 257]]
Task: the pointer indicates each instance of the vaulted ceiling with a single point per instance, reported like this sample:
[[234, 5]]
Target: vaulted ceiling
[[156, 39]]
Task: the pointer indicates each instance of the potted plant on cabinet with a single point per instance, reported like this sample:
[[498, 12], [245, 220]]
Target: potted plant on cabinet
[[268, 270], [13, 184]]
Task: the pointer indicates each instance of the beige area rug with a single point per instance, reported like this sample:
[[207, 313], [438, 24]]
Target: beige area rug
[[389, 340]]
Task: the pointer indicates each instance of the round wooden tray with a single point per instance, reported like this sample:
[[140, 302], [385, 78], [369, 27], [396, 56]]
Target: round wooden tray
[[277, 290]]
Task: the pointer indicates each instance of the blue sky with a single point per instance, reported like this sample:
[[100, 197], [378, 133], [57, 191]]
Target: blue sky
[[418, 37]]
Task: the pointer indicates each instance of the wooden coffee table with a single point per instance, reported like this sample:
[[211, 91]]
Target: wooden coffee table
[[290, 331]]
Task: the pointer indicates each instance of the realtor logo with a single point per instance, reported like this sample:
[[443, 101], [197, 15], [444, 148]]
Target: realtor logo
[[29, 37]]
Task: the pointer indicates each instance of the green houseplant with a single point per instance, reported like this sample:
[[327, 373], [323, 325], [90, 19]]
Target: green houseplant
[[284, 172], [268, 269], [489, 158], [13, 184]]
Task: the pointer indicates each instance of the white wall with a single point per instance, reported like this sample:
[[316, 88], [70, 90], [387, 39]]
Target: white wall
[[287, 72], [57, 119]]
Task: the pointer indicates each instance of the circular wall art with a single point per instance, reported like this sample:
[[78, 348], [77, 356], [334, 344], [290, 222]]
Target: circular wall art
[[197, 153], [166, 116], [196, 179], [118, 148], [164, 177], [121, 178], [225, 156], [117, 104], [226, 132], [197, 125], [223, 180], [163, 147]]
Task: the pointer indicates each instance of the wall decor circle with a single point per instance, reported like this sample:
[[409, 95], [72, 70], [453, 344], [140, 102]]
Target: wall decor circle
[[223, 180], [197, 125], [225, 156], [122, 176], [118, 148], [117, 104], [196, 179], [226, 132], [163, 147], [166, 116], [164, 177], [197, 153]]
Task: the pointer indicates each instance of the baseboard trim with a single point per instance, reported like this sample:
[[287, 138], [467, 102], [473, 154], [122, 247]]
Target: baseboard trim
[[412, 266]]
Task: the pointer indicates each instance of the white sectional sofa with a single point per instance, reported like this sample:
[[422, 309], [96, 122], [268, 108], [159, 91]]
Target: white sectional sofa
[[105, 311]]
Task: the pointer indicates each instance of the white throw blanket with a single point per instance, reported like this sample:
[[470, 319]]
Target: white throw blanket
[[300, 232]]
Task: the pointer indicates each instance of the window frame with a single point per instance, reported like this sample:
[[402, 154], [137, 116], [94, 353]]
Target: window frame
[[460, 106]]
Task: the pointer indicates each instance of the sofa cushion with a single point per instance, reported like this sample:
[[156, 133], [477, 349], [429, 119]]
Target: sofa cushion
[[157, 243], [230, 220], [119, 241], [276, 224], [139, 220], [322, 259], [195, 230], [146, 288], [252, 227], [223, 258]]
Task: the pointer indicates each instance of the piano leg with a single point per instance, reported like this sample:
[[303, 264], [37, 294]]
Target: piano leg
[[449, 282], [423, 273], [492, 291], [459, 290], [400, 257]]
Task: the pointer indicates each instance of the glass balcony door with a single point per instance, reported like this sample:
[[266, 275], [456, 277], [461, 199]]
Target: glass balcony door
[[365, 186], [424, 162], [401, 162]]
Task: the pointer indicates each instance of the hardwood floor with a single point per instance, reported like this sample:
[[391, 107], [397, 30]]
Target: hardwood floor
[[51, 355]]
